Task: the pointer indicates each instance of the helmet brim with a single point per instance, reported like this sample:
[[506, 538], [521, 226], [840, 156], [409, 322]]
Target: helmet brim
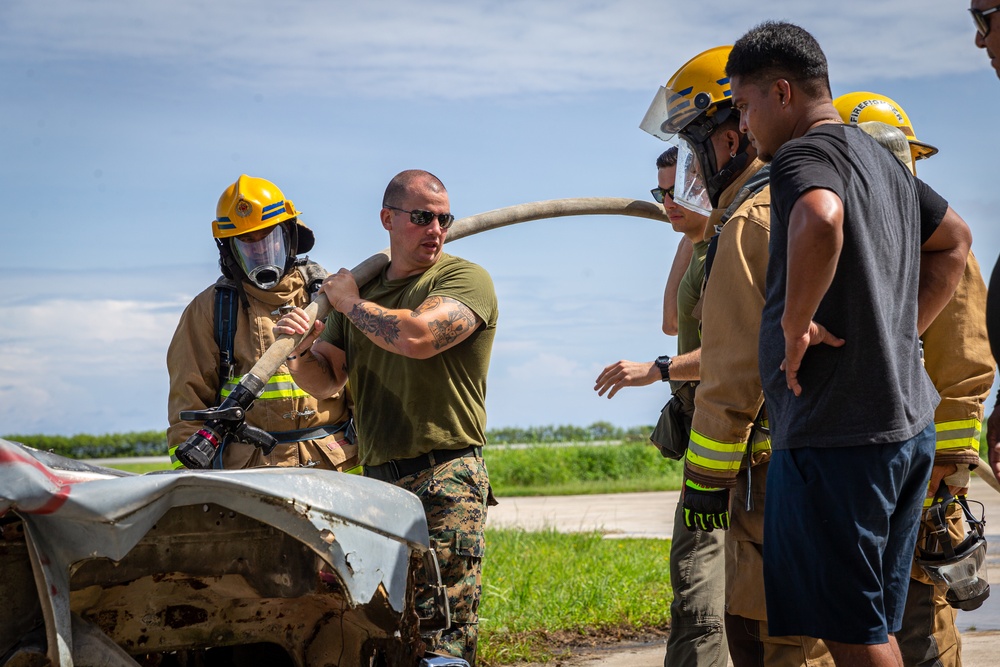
[[920, 150]]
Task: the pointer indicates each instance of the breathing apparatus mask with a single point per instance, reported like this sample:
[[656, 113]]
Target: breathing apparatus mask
[[960, 567], [697, 135], [264, 261], [689, 187]]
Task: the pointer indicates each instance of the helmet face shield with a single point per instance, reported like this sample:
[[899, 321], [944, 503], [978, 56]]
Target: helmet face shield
[[689, 187], [670, 112], [655, 122], [263, 260]]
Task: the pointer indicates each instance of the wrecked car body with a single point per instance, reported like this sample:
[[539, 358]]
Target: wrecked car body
[[283, 567]]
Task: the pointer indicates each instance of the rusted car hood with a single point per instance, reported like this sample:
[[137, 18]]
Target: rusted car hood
[[363, 529]]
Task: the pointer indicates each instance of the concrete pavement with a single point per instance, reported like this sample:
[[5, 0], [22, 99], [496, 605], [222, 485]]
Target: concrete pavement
[[650, 515]]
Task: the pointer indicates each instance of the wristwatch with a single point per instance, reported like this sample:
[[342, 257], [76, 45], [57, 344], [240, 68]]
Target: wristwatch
[[663, 363]]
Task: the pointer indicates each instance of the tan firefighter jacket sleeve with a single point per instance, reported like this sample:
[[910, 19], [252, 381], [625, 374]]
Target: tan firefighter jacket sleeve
[[193, 367], [958, 360], [730, 396]]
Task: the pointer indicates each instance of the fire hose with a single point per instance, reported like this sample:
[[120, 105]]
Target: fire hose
[[228, 420]]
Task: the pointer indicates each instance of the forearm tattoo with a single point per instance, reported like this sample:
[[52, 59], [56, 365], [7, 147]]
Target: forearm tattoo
[[457, 318], [374, 320]]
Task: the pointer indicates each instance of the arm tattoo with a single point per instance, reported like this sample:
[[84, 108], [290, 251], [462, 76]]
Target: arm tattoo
[[457, 320], [376, 321], [430, 303], [319, 361]]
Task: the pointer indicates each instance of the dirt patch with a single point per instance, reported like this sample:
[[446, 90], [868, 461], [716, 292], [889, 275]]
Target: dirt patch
[[566, 648]]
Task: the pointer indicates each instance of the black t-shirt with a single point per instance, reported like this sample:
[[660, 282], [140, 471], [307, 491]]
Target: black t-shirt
[[993, 311], [873, 389]]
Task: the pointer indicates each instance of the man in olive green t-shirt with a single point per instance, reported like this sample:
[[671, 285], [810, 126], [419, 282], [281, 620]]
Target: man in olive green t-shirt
[[415, 344], [697, 559]]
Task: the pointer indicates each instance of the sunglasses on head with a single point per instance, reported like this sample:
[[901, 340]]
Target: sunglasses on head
[[983, 23], [659, 192], [423, 218]]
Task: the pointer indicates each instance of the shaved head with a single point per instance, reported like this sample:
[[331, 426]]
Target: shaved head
[[405, 182]]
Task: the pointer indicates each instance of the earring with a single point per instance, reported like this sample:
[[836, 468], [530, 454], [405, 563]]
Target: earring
[[733, 154]]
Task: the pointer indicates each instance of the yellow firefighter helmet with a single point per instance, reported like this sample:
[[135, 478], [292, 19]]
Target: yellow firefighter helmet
[[860, 107], [699, 87], [250, 204]]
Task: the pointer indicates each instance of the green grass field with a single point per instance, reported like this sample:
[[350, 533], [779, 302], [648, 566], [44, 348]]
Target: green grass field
[[542, 585]]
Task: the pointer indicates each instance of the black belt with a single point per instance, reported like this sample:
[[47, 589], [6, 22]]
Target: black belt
[[317, 433], [393, 471]]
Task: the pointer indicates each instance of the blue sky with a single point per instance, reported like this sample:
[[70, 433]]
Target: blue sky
[[123, 122]]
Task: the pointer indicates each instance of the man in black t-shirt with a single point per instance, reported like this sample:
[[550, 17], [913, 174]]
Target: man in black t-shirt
[[986, 15], [851, 408]]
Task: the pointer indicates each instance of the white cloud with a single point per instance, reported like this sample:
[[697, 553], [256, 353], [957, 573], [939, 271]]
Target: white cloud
[[81, 354], [469, 49]]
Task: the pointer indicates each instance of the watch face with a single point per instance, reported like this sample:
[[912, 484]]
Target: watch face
[[663, 363]]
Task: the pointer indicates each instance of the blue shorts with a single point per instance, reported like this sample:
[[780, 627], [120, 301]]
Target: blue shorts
[[840, 527]]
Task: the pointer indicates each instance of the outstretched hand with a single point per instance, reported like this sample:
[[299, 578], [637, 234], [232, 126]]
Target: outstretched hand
[[795, 350], [626, 374]]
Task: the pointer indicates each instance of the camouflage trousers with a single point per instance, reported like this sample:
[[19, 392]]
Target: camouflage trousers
[[455, 496]]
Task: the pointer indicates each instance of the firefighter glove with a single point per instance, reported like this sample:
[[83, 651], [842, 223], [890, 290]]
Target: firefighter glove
[[705, 507]]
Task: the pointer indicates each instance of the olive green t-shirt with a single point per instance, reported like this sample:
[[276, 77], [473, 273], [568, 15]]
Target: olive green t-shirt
[[688, 294], [406, 407]]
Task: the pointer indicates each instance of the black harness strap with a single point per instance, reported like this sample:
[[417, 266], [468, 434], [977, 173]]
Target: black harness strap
[[226, 312], [756, 183]]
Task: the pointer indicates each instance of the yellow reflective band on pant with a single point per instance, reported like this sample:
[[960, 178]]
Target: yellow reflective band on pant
[[761, 439], [714, 455], [279, 386], [958, 434], [174, 461]]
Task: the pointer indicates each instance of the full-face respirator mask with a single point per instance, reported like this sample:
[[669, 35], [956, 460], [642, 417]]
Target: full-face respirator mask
[[266, 260], [960, 567], [689, 187]]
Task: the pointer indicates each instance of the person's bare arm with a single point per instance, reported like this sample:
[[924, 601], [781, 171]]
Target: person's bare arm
[[683, 367], [317, 366], [815, 239], [942, 262], [686, 367], [682, 259], [435, 325]]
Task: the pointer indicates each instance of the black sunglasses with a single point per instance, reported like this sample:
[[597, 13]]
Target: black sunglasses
[[983, 23], [659, 192], [423, 218]]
